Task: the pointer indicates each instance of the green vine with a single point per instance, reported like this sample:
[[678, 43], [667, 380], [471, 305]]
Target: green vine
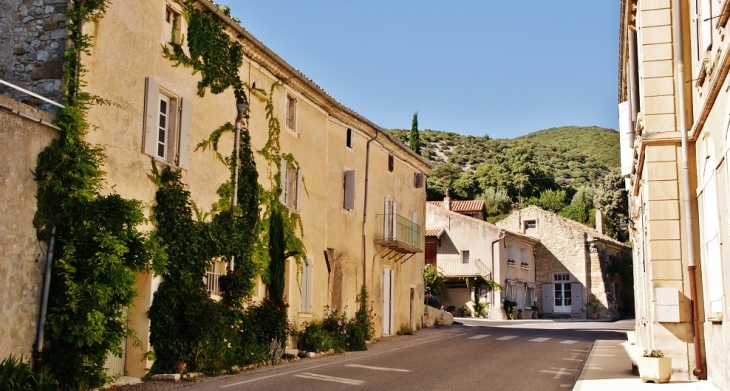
[[98, 249]]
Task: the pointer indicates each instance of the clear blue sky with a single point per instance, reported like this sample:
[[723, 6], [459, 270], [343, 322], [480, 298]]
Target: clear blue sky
[[502, 68]]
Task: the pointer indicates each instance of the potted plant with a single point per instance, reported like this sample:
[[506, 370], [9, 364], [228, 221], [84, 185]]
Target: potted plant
[[593, 307], [509, 308], [631, 336], [534, 309], [654, 367], [451, 309]]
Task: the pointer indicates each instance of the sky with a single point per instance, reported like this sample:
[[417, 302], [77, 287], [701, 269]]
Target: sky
[[503, 69]]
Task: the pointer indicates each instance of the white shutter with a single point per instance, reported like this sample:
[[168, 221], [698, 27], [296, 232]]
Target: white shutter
[[386, 219], [387, 301], [283, 172], [706, 23], [307, 284], [151, 109], [186, 123], [547, 298], [576, 289], [349, 202], [395, 234]]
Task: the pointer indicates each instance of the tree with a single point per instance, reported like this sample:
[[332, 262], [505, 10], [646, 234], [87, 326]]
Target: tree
[[496, 201], [612, 199], [442, 177], [415, 139]]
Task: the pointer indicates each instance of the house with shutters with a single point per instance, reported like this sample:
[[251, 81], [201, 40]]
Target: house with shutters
[[572, 264], [360, 193], [465, 248]]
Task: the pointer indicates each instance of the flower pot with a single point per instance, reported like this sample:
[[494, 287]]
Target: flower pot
[[519, 314], [631, 337], [534, 314], [654, 369], [594, 315], [179, 366]]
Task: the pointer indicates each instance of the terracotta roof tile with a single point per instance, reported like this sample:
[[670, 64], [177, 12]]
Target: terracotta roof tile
[[462, 206]]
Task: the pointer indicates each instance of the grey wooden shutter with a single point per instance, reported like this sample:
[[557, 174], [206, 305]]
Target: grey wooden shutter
[[349, 202], [547, 298], [151, 113], [419, 180], [576, 289], [186, 123]]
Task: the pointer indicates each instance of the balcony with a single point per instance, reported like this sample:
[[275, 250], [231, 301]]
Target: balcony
[[456, 267], [398, 234]]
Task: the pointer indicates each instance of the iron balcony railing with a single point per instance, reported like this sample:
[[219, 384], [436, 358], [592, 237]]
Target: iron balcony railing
[[456, 267], [398, 232]]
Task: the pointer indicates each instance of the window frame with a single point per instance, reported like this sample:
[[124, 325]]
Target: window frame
[[291, 184], [178, 121], [290, 114], [391, 163], [350, 138], [172, 24], [348, 185]]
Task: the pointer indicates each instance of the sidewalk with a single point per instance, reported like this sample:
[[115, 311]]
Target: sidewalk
[[608, 368]]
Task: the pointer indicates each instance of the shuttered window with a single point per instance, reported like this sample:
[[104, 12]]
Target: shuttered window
[[291, 183], [167, 125], [307, 284]]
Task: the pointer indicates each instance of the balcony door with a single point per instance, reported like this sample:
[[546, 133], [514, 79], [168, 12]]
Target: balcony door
[[387, 301], [389, 216]]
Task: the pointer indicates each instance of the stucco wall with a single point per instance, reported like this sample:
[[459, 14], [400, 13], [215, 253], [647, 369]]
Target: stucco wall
[[23, 261]]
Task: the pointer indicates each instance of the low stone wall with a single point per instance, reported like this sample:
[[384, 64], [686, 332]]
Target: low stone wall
[[432, 316]]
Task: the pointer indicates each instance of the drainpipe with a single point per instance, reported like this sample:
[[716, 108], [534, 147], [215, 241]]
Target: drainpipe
[[691, 267], [365, 202], [241, 107], [502, 234], [44, 300]]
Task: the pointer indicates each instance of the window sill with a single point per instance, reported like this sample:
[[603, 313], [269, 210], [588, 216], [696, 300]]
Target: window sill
[[715, 317], [511, 265]]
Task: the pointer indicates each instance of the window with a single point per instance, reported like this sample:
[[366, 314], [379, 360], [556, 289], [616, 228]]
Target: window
[[348, 184], [530, 296], [390, 228], [291, 112], [306, 303], [172, 29], [291, 179], [465, 256], [711, 233], [419, 180], [530, 227], [524, 259], [511, 261], [167, 124], [212, 277], [350, 138], [390, 163]]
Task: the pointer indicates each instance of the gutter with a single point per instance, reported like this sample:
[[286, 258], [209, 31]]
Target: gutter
[[699, 370], [365, 203]]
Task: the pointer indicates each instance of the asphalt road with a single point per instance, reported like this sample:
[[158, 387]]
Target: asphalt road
[[516, 355]]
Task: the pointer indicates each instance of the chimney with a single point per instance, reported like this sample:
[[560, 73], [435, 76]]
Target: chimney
[[447, 201], [599, 221]]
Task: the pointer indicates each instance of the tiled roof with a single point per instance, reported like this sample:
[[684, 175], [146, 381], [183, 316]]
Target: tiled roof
[[461, 206], [592, 231], [435, 231]]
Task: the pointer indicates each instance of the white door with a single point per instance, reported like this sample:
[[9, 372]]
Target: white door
[[563, 293], [387, 301], [519, 298]]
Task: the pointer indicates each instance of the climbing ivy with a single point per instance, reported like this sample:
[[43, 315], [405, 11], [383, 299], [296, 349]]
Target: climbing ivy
[[98, 248]]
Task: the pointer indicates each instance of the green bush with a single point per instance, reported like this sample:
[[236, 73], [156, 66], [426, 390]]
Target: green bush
[[17, 375]]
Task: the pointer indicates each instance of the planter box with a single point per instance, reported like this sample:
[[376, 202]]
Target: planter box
[[657, 370], [631, 337]]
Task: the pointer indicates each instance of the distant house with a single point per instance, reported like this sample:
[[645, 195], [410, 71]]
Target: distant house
[[466, 248], [572, 264], [472, 208]]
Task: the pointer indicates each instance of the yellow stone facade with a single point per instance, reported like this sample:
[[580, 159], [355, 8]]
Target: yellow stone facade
[[673, 106], [325, 137]]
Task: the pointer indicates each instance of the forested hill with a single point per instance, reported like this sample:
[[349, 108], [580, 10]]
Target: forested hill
[[573, 155]]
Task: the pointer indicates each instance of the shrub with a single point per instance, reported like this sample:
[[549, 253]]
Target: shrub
[[17, 375]]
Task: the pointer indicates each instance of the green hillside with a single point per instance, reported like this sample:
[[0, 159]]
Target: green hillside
[[571, 155]]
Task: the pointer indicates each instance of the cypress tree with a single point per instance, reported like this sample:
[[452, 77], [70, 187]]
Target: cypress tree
[[415, 140]]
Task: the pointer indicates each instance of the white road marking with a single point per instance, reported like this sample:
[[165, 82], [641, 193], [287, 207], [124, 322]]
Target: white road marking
[[575, 357], [506, 337], [566, 385], [342, 380], [561, 372], [480, 336], [358, 357], [539, 339], [568, 341], [377, 368]]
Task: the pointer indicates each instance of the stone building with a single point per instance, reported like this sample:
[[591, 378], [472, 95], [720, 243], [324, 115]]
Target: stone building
[[465, 247], [673, 115], [360, 192], [571, 264]]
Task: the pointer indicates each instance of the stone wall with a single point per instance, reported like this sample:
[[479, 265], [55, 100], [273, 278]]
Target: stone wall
[[23, 257], [32, 42]]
